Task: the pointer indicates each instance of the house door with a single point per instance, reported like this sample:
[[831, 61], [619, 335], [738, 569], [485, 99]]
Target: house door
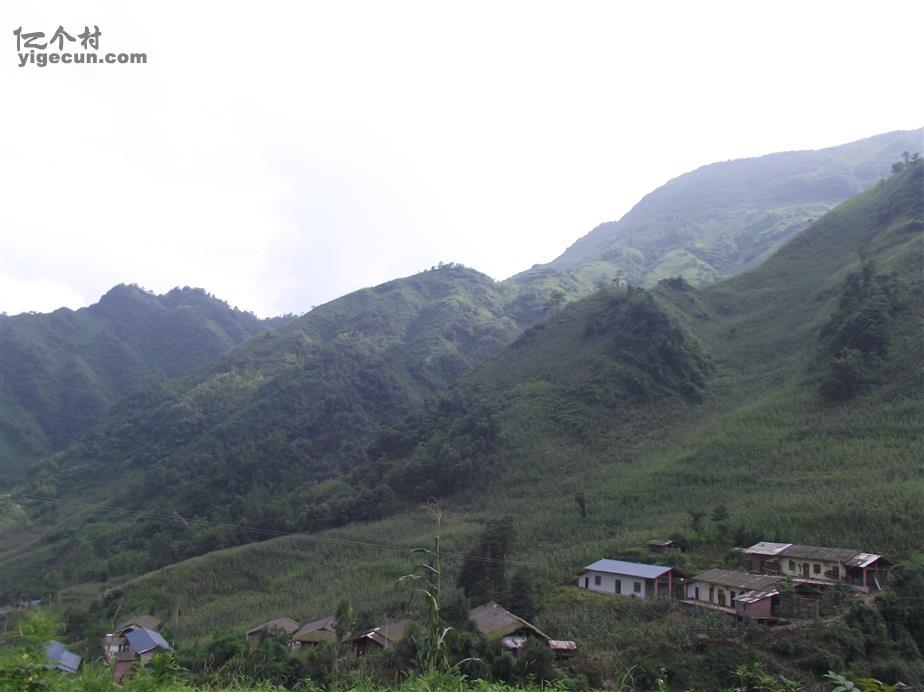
[[617, 586], [586, 582], [805, 570]]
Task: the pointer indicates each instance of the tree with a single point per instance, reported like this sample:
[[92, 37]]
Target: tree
[[345, 620], [54, 582], [581, 504], [554, 301], [720, 518], [483, 575], [524, 596], [696, 520]]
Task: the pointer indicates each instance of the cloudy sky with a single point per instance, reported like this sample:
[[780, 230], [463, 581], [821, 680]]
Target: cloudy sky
[[282, 154]]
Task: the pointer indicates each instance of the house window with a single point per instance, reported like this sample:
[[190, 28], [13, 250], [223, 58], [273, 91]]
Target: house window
[[597, 580], [816, 569], [792, 565], [637, 587]]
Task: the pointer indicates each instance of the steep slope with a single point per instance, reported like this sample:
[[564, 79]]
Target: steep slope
[[270, 433], [62, 371], [724, 218], [747, 430]]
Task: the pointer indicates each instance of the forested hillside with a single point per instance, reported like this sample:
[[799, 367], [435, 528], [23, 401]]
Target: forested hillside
[[706, 415], [724, 218], [62, 371], [271, 433]]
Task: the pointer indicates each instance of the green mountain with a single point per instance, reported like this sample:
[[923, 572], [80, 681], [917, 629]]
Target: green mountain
[[725, 218], [64, 370], [271, 433], [653, 407]]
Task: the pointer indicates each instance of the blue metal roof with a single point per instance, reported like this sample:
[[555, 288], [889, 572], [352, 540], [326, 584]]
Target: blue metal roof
[[143, 639], [61, 657], [630, 569]]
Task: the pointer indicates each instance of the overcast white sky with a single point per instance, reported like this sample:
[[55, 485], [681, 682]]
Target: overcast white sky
[[282, 154]]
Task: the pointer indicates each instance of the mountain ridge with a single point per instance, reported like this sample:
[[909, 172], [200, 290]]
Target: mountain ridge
[[63, 370], [765, 200]]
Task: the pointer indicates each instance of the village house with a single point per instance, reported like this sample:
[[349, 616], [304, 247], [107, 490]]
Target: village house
[[820, 566], [115, 642], [61, 658], [281, 627], [313, 633], [663, 546], [627, 578], [744, 595], [142, 644], [382, 637], [494, 621]]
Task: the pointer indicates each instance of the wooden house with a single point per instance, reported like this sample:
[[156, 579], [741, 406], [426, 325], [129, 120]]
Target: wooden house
[[281, 627], [627, 579], [820, 566], [115, 642], [142, 644], [495, 622], [313, 633], [663, 546], [381, 637], [746, 596]]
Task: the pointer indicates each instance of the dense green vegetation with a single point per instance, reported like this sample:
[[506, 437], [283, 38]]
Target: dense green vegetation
[[705, 414], [273, 434], [63, 371], [727, 217]]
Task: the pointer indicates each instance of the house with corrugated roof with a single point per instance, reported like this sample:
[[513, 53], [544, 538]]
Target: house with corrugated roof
[[115, 642], [142, 644], [818, 565], [744, 595], [61, 658], [622, 578]]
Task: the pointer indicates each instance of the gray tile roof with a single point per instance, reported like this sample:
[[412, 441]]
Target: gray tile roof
[[149, 621], [815, 552], [493, 620], [319, 630], [738, 580], [286, 625]]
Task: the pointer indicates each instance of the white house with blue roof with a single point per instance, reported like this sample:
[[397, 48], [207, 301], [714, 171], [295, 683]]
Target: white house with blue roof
[[632, 579]]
